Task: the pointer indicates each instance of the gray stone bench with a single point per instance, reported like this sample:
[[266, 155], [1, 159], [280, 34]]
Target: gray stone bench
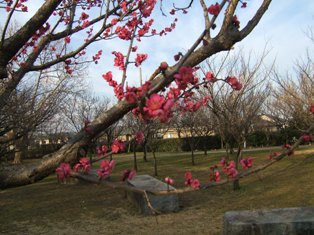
[[286, 221], [161, 203]]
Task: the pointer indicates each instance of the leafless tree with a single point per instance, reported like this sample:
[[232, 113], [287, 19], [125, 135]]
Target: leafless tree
[[235, 111]]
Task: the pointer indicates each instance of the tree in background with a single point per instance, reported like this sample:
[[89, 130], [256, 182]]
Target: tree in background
[[236, 111]]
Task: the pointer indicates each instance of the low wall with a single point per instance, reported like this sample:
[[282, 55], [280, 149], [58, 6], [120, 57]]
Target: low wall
[[285, 221]]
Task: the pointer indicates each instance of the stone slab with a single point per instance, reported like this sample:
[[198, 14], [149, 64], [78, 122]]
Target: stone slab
[[285, 221], [161, 203]]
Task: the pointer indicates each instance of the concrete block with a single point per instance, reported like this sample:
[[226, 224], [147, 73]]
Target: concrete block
[[161, 203], [285, 221]]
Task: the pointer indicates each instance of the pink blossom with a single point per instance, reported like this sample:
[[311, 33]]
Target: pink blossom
[[246, 163], [84, 16], [229, 168], [114, 21], [215, 174], [130, 97], [163, 66], [106, 168], [234, 83], [67, 39], [140, 58], [119, 60], [63, 171], [146, 7], [123, 33], [177, 56], [168, 105], [312, 108], [128, 174], [169, 181], [139, 137], [188, 177], [118, 91], [235, 21], [154, 102], [214, 9], [223, 162], [195, 183], [102, 150], [83, 165], [306, 137], [184, 77], [117, 146], [134, 49], [210, 77]]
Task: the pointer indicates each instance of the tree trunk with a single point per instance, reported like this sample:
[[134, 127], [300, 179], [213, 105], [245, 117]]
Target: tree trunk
[[236, 183], [193, 162], [17, 156], [155, 164], [20, 150], [134, 160], [12, 176], [145, 152]]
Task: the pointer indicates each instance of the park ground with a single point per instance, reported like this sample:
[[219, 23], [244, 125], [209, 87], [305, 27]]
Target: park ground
[[49, 207]]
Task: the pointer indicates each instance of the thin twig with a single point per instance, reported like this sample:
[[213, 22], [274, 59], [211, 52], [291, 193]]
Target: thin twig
[[154, 211]]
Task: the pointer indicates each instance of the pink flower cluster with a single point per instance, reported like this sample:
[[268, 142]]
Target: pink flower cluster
[[123, 33], [169, 181], [214, 9], [117, 146], [190, 106], [146, 7], [19, 6], [214, 175], [106, 167], [189, 181], [63, 171], [235, 21], [83, 165], [97, 56], [158, 107], [234, 83], [209, 76], [139, 137], [246, 163], [140, 58], [185, 77], [307, 137], [101, 150], [133, 93], [128, 174], [118, 60], [228, 168]]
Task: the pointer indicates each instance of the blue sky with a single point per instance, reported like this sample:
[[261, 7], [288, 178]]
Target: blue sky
[[282, 28]]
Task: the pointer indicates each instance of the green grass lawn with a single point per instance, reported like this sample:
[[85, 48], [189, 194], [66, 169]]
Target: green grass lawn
[[48, 207]]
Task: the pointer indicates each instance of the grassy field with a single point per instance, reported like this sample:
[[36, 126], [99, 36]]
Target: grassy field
[[48, 207]]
